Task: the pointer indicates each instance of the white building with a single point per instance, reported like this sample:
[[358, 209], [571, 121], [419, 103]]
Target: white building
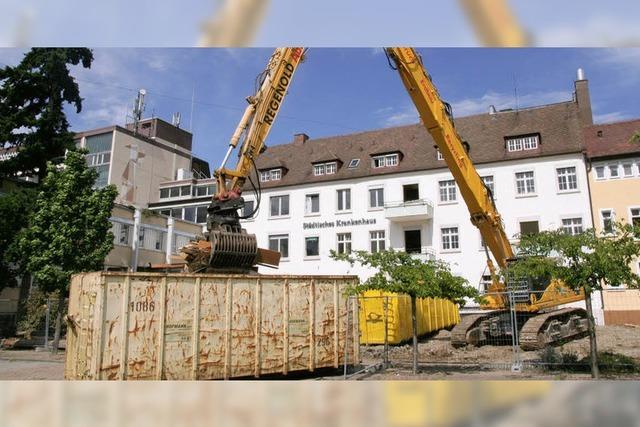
[[390, 188]]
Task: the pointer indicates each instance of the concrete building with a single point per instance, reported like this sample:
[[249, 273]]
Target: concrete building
[[137, 162], [138, 159], [390, 188], [614, 179]]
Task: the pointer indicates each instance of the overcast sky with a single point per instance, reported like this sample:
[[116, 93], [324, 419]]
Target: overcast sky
[[340, 91]]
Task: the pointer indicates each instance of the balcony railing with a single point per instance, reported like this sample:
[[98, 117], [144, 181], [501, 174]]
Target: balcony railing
[[420, 209]]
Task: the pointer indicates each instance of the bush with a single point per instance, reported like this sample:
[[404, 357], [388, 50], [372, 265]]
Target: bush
[[608, 362], [35, 310]]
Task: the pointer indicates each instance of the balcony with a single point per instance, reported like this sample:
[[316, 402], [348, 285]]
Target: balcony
[[414, 210], [427, 254]]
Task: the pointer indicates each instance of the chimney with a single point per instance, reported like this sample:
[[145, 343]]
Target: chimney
[[582, 98], [492, 109], [300, 138]]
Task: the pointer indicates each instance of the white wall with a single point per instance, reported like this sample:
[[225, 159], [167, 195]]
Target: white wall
[[548, 207]]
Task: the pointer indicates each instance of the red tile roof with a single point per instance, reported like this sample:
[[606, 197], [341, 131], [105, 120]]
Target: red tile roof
[[557, 124], [612, 139]]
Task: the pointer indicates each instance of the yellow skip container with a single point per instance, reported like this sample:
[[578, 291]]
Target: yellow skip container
[[432, 314]]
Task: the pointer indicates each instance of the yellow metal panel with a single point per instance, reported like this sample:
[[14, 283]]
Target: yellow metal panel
[[432, 314]]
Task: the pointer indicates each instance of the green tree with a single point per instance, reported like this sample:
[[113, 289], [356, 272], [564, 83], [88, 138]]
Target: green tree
[[401, 273], [69, 229], [14, 210], [32, 99], [583, 261]]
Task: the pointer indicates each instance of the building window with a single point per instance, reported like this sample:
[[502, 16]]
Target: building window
[[377, 239], [627, 169], [488, 182], [271, 175], [190, 213], [185, 190], [280, 243], [325, 168], [344, 200], [152, 239], [439, 155], [567, 179], [450, 238], [203, 190], [600, 172], [176, 213], [448, 191], [520, 143], [312, 246], [635, 217], [344, 243], [99, 157], [376, 197], [607, 217], [388, 160], [613, 171], [572, 226], [201, 214], [354, 163], [525, 183], [121, 234], [529, 227], [312, 204], [279, 205], [247, 210], [411, 192]]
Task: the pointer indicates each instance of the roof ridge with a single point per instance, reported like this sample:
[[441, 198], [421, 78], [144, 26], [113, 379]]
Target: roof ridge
[[620, 122]]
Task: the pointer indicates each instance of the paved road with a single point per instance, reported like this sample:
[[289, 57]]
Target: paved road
[[30, 365]]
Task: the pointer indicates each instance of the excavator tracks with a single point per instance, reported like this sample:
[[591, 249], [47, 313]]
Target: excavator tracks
[[554, 328], [470, 329], [536, 332]]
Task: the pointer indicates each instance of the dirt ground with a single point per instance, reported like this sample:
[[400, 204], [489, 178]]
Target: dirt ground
[[438, 360]]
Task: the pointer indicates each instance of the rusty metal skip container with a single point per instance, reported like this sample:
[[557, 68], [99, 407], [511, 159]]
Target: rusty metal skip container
[[136, 326]]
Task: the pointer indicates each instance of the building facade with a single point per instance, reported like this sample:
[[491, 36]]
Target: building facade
[[136, 162], [614, 179], [143, 238], [390, 188]]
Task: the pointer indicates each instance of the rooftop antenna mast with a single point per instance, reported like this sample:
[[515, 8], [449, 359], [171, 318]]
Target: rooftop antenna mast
[[515, 91], [175, 119], [138, 109]]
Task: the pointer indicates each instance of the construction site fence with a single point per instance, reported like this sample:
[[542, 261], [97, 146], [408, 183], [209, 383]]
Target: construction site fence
[[385, 328]]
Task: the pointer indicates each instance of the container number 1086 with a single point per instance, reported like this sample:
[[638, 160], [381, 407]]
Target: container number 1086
[[142, 306]]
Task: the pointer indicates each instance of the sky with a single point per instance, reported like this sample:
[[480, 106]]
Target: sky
[[339, 91], [311, 22]]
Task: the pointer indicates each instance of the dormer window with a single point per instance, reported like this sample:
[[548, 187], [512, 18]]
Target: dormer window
[[522, 143], [329, 168], [271, 175], [387, 160], [439, 155]]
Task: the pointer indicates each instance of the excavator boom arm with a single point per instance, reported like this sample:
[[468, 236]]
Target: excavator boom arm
[[435, 116]]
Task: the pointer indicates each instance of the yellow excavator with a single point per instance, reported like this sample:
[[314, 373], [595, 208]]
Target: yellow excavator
[[530, 301]]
